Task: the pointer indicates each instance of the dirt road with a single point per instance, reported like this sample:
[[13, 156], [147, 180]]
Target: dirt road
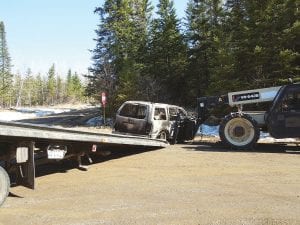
[[181, 184]]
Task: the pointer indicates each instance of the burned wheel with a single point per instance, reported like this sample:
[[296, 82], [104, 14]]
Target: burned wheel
[[4, 185], [162, 136], [239, 131]]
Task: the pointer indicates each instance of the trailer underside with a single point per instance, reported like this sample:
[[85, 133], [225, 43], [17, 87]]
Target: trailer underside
[[22, 146]]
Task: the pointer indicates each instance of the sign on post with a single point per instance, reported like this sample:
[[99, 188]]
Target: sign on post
[[103, 100]]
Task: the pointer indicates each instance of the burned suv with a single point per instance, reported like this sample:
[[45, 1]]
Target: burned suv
[[155, 120]]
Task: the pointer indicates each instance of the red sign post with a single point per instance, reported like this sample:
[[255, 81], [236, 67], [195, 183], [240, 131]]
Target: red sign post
[[103, 100]]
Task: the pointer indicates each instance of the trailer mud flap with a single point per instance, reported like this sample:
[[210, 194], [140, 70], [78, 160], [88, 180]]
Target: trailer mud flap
[[26, 166]]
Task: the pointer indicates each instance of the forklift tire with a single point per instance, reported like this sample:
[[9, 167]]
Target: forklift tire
[[4, 185], [239, 131]]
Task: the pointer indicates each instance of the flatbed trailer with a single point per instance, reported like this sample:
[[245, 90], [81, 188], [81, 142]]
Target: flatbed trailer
[[22, 146]]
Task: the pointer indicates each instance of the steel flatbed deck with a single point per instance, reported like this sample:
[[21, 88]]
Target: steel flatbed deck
[[18, 130]]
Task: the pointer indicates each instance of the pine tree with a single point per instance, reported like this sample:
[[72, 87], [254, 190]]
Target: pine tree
[[60, 90], [121, 39], [41, 89], [74, 87], [103, 72], [18, 89], [280, 46], [167, 54], [261, 45], [204, 35], [51, 85], [131, 65], [5, 67], [69, 84], [77, 87], [28, 88]]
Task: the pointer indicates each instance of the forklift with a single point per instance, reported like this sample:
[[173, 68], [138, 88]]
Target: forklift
[[240, 129]]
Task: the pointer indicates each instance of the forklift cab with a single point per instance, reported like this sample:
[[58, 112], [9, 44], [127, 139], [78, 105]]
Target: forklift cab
[[283, 119]]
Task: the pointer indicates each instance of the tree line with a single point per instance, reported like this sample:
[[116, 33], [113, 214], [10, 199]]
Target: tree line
[[146, 53], [31, 89]]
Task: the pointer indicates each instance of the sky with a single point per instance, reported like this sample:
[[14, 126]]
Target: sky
[[42, 32]]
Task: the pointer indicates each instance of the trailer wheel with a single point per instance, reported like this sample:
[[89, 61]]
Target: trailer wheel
[[239, 131], [4, 185]]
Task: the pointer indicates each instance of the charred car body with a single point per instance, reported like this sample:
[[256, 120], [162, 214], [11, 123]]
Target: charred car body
[[155, 120]]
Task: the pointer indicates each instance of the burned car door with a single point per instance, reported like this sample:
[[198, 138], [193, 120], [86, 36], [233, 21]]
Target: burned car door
[[185, 125], [132, 118], [188, 125], [189, 128], [174, 124], [160, 125]]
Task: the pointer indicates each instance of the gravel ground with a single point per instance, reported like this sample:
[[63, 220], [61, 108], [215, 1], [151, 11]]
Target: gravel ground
[[194, 183]]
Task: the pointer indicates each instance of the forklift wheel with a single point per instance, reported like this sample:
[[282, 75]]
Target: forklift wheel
[[239, 131], [4, 185]]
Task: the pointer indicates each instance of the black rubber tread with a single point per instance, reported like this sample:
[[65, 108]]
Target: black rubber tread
[[244, 116], [4, 185]]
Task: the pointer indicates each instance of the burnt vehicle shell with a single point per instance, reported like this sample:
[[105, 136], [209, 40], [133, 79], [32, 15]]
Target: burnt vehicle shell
[[155, 120]]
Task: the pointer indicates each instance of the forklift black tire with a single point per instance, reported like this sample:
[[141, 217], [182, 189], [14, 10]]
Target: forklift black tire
[[239, 131], [4, 185]]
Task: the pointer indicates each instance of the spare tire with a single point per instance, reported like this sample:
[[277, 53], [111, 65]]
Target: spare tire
[[4, 185], [239, 131]]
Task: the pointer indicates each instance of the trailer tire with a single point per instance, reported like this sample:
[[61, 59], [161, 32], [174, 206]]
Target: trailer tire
[[4, 185], [239, 131]]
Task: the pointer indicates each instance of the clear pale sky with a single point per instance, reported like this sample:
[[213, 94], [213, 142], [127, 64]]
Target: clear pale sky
[[42, 32]]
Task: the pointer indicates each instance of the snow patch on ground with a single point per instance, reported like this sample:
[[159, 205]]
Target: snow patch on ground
[[208, 130], [99, 121], [28, 113], [43, 111], [13, 115], [21, 113], [213, 131]]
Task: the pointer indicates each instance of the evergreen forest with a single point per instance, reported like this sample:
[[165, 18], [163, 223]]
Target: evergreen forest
[[145, 52]]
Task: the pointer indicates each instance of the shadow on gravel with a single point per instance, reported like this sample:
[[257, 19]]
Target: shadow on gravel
[[12, 195], [65, 165], [283, 148]]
